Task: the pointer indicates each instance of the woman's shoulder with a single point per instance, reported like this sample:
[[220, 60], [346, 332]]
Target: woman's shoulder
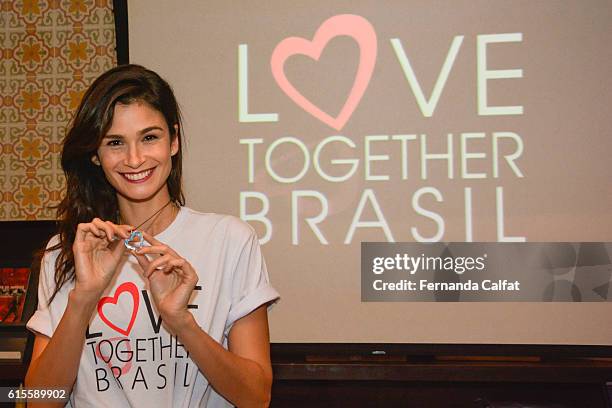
[[53, 242], [53, 248], [49, 256]]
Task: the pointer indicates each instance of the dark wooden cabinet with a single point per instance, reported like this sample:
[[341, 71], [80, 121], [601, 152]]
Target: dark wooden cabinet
[[20, 240], [470, 376]]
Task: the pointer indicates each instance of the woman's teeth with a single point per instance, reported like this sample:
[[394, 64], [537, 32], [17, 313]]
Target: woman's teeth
[[137, 176]]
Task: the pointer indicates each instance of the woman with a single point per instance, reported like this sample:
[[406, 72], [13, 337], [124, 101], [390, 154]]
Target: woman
[[177, 321]]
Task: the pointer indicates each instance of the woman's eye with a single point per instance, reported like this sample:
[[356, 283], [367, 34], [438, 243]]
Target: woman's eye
[[150, 138], [115, 142]]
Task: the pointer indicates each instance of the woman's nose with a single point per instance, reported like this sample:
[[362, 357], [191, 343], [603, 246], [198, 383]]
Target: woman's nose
[[134, 157]]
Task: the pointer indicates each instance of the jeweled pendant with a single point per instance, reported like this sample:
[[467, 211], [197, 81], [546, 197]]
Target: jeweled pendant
[[135, 240]]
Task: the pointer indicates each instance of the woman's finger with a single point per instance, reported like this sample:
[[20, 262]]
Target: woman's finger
[[126, 230], [156, 249], [121, 231], [108, 230], [183, 269], [88, 228], [158, 264], [142, 260], [113, 231], [151, 239], [174, 265], [126, 227], [117, 247]]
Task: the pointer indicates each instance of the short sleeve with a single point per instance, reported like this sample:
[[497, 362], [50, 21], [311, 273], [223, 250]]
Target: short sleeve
[[40, 322], [251, 285]]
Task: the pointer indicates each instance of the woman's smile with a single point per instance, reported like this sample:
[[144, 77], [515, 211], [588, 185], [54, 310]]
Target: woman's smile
[[139, 177]]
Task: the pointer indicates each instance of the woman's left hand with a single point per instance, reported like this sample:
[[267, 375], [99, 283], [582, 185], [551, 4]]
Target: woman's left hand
[[171, 282]]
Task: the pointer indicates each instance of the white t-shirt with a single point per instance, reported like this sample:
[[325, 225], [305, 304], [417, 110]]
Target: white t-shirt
[[129, 359]]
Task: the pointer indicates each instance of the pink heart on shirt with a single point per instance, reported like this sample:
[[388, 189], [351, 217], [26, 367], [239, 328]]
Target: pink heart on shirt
[[129, 288]]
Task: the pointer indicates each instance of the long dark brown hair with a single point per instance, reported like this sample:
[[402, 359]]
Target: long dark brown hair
[[88, 193]]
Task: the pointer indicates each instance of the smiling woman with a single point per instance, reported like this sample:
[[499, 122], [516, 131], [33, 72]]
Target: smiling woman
[[136, 160], [188, 297]]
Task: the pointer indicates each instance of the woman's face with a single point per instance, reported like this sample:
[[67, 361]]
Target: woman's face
[[136, 152]]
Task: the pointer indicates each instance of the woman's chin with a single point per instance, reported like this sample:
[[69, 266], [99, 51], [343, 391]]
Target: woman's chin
[[139, 196]]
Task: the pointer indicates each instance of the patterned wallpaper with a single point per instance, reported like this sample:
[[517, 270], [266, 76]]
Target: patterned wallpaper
[[51, 51]]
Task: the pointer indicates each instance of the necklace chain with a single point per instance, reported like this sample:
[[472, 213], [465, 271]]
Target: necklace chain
[[154, 214]]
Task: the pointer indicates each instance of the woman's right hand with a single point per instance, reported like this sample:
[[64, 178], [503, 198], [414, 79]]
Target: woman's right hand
[[98, 249]]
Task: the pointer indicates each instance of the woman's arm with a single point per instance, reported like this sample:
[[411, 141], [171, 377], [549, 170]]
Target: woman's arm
[[55, 360], [97, 253], [243, 375]]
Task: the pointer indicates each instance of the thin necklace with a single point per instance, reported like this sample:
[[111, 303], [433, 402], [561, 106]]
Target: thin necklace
[[154, 214], [136, 239]]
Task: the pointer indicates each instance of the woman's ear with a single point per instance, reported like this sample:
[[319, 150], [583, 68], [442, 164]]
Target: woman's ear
[[174, 144], [95, 159]]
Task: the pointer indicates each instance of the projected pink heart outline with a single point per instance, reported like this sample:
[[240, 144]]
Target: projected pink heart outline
[[353, 26]]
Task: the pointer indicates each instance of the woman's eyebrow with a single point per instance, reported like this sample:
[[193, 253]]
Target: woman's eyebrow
[[148, 129], [142, 132], [109, 136]]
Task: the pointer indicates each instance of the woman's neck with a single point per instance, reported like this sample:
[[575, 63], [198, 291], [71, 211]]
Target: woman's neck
[[152, 216]]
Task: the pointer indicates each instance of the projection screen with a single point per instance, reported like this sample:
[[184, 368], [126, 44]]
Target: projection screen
[[328, 123]]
